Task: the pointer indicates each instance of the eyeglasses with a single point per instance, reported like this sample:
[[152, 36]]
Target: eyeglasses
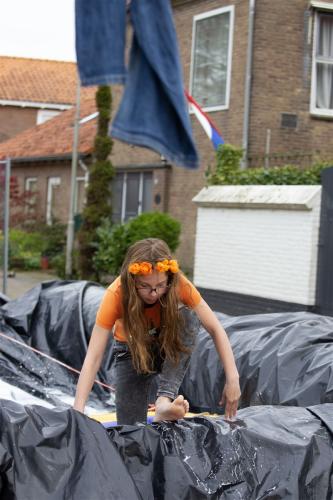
[[149, 289]]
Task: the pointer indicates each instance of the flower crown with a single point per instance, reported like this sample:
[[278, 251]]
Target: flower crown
[[162, 266]]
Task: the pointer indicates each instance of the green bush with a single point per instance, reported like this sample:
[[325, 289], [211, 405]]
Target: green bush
[[113, 241], [228, 171], [111, 247], [27, 247], [54, 239], [58, 264]]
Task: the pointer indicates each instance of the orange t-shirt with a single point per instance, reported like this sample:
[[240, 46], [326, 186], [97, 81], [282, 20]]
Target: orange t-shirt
[[110, 312]]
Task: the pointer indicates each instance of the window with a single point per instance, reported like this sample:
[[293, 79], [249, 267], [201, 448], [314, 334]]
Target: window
[[131, 195], [322, 66], [211, 58], [30, 188], [43, 115], [53, 200]]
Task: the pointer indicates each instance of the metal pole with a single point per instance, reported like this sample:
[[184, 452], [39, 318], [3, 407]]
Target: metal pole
[[70, 226], [6, 226]]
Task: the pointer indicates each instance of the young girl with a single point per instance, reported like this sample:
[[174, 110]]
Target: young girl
[[154, 311]]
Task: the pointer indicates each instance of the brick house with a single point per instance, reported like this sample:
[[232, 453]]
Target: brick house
[[41, 159], [33, 91], [263, 71]]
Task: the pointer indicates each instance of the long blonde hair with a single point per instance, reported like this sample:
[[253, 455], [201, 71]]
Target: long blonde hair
[[135, 323]]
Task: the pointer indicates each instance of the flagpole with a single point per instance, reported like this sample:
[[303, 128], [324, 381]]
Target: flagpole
[[70, 226]]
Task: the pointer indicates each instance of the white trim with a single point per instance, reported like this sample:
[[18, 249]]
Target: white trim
[[321, 5], [44, 115], [300, 197], [32, 104], [208, 109], [140, 195], [27, 182], [205, 15], [124, 193], [324, 113], [123, 200], [88, 118], [51, 182], [212, 13]]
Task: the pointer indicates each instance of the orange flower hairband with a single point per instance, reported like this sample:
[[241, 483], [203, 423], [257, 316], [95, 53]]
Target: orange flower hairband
[[161, 266]]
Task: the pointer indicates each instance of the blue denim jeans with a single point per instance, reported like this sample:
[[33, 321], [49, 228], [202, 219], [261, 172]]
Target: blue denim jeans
[[133, 388], [153, 112]]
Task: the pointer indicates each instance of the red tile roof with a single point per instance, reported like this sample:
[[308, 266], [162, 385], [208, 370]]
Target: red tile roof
[[37, 80], [54, 137]]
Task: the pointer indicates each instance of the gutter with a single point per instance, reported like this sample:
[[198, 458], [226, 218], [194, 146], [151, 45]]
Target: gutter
[[248, 83], [50, 158], [35, 104]]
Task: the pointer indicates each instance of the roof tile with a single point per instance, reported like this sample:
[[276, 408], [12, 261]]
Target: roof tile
[[54, 137], [37, 80]]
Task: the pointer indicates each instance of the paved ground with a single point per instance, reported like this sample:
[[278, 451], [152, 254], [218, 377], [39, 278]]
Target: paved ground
[[23, 281]]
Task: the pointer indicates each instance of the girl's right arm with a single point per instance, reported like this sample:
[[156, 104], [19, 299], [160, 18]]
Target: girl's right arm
[[91, 365]]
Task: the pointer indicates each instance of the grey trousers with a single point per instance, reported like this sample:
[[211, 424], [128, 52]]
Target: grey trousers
[[133, 389]]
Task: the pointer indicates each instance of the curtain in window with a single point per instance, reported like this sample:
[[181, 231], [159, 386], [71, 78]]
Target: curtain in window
[[325, 62], [211, 60]]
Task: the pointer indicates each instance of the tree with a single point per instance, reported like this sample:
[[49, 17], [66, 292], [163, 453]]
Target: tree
[[98, 204], [20, 202]]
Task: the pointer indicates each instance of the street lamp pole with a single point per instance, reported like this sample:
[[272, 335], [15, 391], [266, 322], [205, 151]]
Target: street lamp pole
[[70, 225]]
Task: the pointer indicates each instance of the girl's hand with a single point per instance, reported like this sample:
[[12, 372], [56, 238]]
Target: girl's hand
[[230, 397]]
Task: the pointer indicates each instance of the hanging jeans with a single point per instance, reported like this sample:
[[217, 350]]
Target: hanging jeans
[[153, 112]]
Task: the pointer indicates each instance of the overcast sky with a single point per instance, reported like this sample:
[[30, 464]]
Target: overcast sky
[[41, 29]]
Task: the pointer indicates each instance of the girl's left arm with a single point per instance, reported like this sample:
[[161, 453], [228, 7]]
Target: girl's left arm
[[231, 392]]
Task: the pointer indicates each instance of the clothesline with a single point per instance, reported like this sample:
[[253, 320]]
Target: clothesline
[[110, 387]]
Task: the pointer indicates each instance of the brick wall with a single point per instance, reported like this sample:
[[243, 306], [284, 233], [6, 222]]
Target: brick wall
[[185, 184], [43, 171], [14, 119], [282, 81]]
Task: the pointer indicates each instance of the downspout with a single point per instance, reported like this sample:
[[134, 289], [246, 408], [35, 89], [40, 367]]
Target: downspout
[[248, 83], [86, 173]]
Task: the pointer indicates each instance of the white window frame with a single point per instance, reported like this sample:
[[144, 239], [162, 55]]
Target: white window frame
[[43, 115], [31, 204], [326, 113], [51, 183], [28, 182], [124, 194], [205, 15]]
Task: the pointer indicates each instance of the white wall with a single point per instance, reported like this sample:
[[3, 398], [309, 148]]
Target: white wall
[[268, 251]]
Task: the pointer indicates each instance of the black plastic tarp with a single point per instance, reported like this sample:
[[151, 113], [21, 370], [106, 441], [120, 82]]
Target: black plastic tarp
[[55, 318], [283, 358], [268, 453]]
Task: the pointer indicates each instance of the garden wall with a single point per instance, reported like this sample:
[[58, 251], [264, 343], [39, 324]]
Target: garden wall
[[256, 247]]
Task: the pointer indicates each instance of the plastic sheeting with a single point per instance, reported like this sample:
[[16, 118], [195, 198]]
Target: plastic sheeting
[[284, 358], [56, 318], [269, 452]]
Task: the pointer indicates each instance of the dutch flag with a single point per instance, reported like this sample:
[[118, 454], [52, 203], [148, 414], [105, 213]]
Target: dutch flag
[[207, 124]]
